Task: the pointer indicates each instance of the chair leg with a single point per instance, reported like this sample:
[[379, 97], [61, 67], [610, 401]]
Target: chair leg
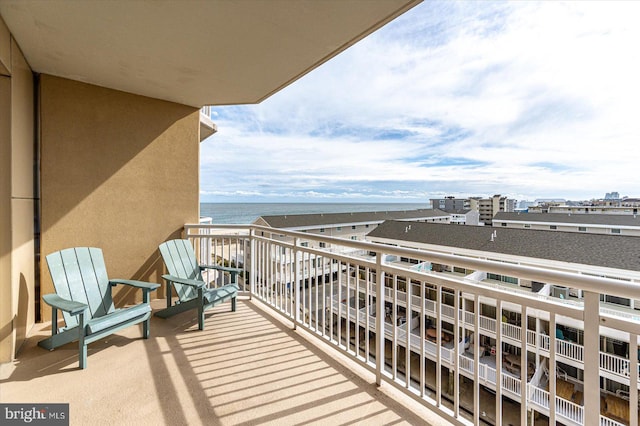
[[145, 324], [82, 347], [233, 304], [200, 309], [145, 329]]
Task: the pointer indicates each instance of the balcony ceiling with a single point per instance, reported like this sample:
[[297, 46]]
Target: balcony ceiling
[[191, 52]]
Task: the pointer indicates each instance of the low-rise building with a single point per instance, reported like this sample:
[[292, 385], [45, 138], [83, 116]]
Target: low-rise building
[[352, 226], [464, 217], [615, 224]]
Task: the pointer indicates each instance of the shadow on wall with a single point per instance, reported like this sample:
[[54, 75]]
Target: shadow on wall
[[119, 172], [150, 271], [22, 313]]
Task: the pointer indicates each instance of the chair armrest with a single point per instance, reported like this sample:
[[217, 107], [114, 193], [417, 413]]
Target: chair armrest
[[73, 307], [134, 283], [221, 268], [193, 283]]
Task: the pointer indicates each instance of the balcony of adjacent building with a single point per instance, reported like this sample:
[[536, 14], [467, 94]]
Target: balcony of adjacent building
[[207, 126], [308, 323]]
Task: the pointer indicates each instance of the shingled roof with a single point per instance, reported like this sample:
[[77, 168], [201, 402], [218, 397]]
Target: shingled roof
[[324, 219], [611, 251], [579, 218]]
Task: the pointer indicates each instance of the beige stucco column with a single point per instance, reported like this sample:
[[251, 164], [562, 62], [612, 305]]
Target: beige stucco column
[[17, 197]]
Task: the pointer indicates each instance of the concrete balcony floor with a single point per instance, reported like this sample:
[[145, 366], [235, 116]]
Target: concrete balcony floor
[[247, 367]]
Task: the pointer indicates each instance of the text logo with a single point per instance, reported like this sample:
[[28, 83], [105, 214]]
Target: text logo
[[34, 414]]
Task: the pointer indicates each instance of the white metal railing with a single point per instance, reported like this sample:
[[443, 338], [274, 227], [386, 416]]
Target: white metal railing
[[606, 421], [539, 397], [511, 384], [614, 364], [570, 350], [569, 410], [564, 409], [469, 318], [448, 312], [511, 331], [308, 285], [206, 110], [487, 324], [545, 342], [465, 364]]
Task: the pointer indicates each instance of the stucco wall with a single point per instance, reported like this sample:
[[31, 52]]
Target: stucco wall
[[17, 198], [119, 172], [6, 312], [23, 197]]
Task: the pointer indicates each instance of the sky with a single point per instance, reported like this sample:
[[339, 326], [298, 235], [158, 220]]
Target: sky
[[525, 99]]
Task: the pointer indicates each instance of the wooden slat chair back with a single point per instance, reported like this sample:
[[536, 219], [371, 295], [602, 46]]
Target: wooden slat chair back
[[185, 275], [83, 294], [180, 259], [80, 275]]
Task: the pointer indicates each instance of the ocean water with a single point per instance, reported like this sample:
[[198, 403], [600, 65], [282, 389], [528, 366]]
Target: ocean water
[[243, 213]]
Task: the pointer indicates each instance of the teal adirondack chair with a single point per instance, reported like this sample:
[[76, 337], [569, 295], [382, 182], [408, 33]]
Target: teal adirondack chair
[[186, 276], [83, 294]]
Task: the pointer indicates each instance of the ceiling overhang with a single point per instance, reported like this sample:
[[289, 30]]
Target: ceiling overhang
[[195, 53]]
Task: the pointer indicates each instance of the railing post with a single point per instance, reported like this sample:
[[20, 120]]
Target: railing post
[[252, 263], [476, 361], [524, 363], [379, 318], [498, 398], [591, 358], [457, 338], [553, 368], [296, 289], [633, 377]]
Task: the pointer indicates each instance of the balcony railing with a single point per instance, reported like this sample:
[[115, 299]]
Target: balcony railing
[[349, 296]]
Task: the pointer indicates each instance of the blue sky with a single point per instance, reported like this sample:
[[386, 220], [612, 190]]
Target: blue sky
[[527, 99]]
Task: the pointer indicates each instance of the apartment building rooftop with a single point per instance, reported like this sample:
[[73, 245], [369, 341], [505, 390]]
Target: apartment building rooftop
[[595, 219], [302, 221], [609, 251]]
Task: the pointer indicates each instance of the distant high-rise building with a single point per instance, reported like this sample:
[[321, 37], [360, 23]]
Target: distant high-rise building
[[523, 205], [486, 207], [612, 196], [450, 203]]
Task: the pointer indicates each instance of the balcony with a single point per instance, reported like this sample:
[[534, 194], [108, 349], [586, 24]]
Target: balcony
[[250, 367], [207, 126], [246, 367]]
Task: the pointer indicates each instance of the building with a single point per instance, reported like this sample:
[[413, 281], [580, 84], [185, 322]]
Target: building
[[486, 207], [464, 217], [587, 223], [353, 226], [450, 203], [629, 209], [612, 195]]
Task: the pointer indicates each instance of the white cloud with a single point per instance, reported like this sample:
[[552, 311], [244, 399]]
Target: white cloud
[[534, 99]]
